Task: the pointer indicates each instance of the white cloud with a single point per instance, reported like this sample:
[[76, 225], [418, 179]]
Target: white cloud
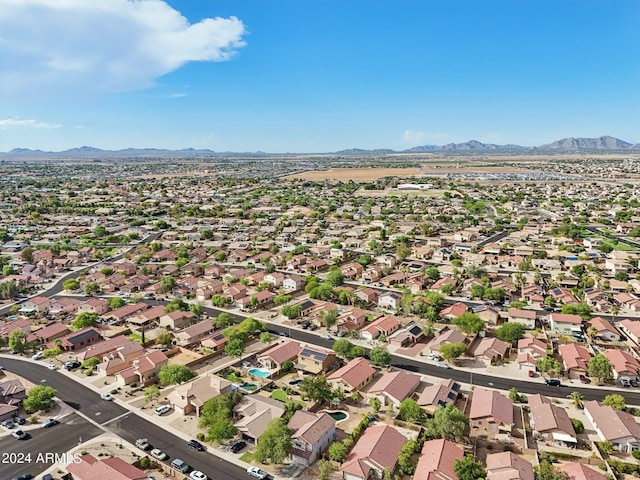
[[16, 122], [105, 45], [411, 136]]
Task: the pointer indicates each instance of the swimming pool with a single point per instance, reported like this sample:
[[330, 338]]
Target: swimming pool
[[338, 415], [258, 372]]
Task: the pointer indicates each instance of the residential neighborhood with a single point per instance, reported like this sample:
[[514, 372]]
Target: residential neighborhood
[[334, 328]]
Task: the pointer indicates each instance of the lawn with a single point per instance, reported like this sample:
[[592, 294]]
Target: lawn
[[283, 397], [247, 457]]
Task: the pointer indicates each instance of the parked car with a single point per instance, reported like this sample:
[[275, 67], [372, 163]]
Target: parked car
[[283, 334], [625, 383], [532, 373], [24, 476], [72, 364], [37, 356], [159, 454], [19, 434], [19, 420], [143, 444], [238, 446], [180, 465], [196, 445], [257, 473], [198, 475], [326, 336], [442, 365], [162, 409], [554, 382], [107, 396], [52, 366], [9, 424], [50, 423], [584, 379]]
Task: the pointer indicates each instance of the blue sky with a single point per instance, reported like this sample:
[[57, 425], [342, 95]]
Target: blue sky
[[315, 75]]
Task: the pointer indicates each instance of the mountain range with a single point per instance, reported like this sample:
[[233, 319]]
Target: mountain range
[[571, 144]]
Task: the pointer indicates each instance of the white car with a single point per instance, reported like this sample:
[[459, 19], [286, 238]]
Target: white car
[[442, 365], [198, 475], [106, 396], [162, 409], [256, 472], [159, 454], [37, 356], [52, 366], [326, 337]]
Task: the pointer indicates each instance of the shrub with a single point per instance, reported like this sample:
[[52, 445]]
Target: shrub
[[114, 391], [200, 436]]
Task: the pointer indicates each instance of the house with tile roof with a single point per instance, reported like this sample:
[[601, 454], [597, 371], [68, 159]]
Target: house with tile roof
[[386, 326], [508, 466], [49, 333], [274, 358], [176, 320], [190, 397], [453, 311], [79, 339], [564, 323], [353, 376], [120, 358], [530, 350], [315, 360], [312, 435], [446, 335], [624, 364], [631, 328], [394, 387], [550, 421], [439, 395], [194, 333], [489, 348], [616, 426], [94, 305], [524, 317], [375, 451], [580, 471], [114, 468], [575, 359], [491, 411], [144, 369], [606, 331], [102, 348], [254, 412], [437, 459]]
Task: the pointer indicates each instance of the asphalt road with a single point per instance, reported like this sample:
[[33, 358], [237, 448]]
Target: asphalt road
[[69, 390], [131, 427], [34, 455], [114, 418]]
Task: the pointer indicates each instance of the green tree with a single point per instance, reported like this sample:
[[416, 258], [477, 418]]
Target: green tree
[[224, 320], [329, 318], [91, 363], [265, 337], [510, 332], [335, 277], [338, 452], [167, 284], [151, 393], [615, 400], [452, 351], [84, 319], [27, 254], [469, 323], [581, 309], [164, 337], [342, 347], [600, 367], [274, 445], [325, 469], [220, 430], [234, 347], [18, 341], [410, 411], [291, 311], [547, 471], [116, 302], [375, 404], [549, 365], [71, 285], [91, 288], [197, 309], [576, 399], [39, 397], [469, 468], [448, 423], [52, 352], [316, 388], [578, 426], [380, 356], [173, 374]]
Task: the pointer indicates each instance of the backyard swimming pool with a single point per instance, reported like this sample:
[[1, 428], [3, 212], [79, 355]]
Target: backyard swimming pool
[[258, 372], [337, 415]]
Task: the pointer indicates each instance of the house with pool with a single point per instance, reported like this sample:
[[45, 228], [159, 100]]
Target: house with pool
[[315, 360], [253, 414], [189, 397], [275, 357]]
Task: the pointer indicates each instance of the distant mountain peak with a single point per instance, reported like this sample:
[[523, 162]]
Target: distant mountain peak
[[604, 142]]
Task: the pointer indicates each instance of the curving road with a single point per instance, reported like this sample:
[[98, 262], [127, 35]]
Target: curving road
[[118, 420]]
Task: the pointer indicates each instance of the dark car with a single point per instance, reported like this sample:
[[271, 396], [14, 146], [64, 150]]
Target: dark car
[[584, 379], [50, 423], [24, 476], [196, 445], [554, 382], [236, 447], [72, 364], [19, 420]]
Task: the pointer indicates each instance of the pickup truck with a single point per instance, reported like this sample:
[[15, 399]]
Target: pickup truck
[[142, 444]]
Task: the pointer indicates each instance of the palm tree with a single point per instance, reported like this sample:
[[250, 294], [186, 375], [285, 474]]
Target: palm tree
[[592, 332], [576, 398]]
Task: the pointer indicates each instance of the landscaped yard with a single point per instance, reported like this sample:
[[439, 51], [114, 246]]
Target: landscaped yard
[[283, 397]]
